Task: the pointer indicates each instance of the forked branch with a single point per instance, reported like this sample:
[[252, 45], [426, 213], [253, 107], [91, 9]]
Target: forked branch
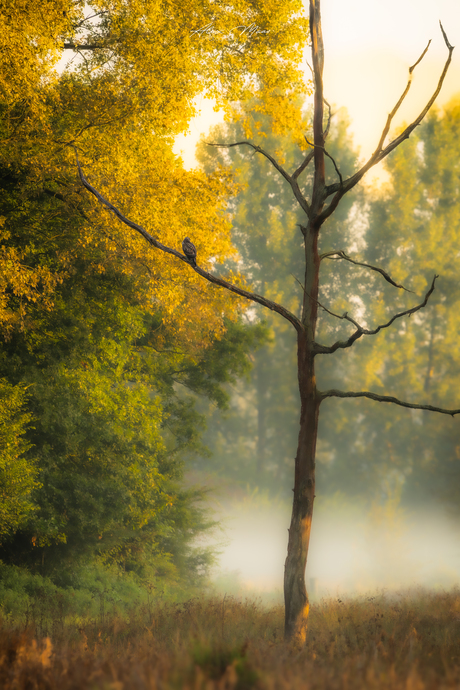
[[254, 297], [390, 117], [303, 203], [383, 398], [341, 255], [380, 153], [339, 174], [308, 158], [342, 344]]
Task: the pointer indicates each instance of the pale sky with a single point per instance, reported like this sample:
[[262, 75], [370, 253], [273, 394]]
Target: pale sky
[[369, 46]]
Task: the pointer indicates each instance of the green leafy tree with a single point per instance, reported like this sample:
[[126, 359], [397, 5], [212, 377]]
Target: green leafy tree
[[108, 390], [86, 318], [136, 68], [17, 472]]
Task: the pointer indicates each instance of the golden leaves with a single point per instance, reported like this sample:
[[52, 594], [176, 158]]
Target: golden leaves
[[148, 184], [140, 65]]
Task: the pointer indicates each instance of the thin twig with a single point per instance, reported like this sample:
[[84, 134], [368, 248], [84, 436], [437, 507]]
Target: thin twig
[[292, 180], [301, 284], [342, 344], [446, 40], [257, 149], [380, 153], [341, 255], [344, 316], [328, 155], [326, 131], [308, 158], [391, 115]]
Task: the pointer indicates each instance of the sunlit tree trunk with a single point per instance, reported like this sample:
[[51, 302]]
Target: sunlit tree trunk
[[295, 592]]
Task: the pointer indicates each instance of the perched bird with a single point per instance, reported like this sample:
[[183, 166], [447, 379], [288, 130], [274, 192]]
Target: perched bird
[[189, 250]]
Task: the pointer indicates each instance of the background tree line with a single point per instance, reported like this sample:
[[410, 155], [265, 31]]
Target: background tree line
[[372, 452]]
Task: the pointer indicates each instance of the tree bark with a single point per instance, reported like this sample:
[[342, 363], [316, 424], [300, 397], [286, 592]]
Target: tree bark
[[295, 591]]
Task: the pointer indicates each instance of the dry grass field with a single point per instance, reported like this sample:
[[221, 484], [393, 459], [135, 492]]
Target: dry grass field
[[409, 642]]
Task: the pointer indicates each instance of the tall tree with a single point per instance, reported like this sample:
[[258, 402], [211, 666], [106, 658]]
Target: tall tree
[[318, 201], [255, 442]]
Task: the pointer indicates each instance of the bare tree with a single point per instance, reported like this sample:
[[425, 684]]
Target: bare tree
[[320, 204]]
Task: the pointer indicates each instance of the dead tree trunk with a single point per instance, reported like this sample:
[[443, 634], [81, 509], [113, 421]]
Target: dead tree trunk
[[295, 593], [323, 201]]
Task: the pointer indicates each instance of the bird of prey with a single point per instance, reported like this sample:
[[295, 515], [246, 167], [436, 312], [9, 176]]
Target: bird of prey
[[189, 250]]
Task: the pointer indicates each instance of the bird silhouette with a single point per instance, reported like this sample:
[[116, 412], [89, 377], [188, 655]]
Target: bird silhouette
[[189, 250]]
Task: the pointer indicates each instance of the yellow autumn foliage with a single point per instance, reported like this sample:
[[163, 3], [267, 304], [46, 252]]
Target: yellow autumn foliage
[[137, 67]]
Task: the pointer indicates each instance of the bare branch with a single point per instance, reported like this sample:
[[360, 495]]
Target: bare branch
[[379, 154], [323, 349], [83, 46], [390, 117], [342, 344], [254, 297], [308, 158], [257, 149], [444, 35], [292, 180], [344, 316], [329, 116], [329, 156], [125, 220], [341, 255], [383, 398]]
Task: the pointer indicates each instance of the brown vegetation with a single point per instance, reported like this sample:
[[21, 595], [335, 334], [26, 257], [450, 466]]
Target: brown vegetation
[[396, 642]]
